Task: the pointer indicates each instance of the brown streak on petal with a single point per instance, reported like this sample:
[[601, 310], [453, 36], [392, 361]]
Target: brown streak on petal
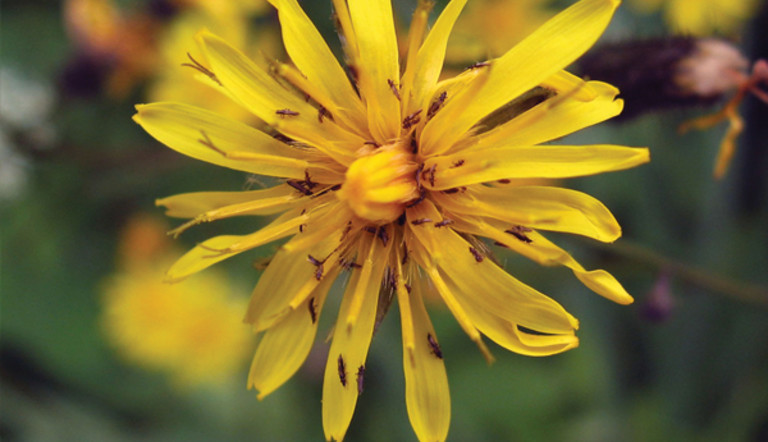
[[360, 375], [312, 310], [286, 113], [342, 371]]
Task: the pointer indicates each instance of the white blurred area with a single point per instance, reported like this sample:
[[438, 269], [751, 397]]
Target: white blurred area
[[26, 106]]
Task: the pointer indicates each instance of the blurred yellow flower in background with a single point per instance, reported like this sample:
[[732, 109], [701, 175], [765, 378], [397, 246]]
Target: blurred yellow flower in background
[[488, 28], [140, 44], [390, 180], [222, 10], [123, 42], [192, 331], [701, 17]]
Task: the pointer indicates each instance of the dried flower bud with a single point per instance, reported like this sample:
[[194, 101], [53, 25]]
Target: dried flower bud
[[667, 73], [682, 71]]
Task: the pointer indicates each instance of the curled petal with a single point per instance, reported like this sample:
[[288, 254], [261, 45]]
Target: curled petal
[[536, 247], [539, 207], [486, 284], [554, 118]]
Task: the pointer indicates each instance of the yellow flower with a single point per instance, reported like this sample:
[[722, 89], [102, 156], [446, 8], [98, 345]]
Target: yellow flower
[[133, 45], [390, 179], [702, 17], [490, 27], [123, 42], [192, 330], [225, 10]]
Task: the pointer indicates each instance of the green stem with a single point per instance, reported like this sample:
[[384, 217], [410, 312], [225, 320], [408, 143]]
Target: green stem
[[749, 293]]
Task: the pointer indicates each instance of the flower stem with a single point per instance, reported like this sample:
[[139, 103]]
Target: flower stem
[[748, 293]]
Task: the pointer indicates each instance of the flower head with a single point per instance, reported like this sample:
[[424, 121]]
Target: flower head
[[122, 47], [702, 17], [391, 178]]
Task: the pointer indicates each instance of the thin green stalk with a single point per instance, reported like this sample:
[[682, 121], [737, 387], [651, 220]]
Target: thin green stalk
[[749, 293]]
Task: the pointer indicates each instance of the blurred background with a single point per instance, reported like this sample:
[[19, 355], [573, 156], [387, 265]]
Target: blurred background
[[94, 347]]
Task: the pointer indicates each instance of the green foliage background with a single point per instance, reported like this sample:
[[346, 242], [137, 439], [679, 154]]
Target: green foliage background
[[700, 374]]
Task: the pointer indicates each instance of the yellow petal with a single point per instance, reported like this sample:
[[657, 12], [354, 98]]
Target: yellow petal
[[459, 82], [547, 161], [346, 33], [450, 298], [327, 222], [495, 323], [552, 47], [269, 201], [374, 29], [508, 335], [403, 294], [599, 281], [354, 122], [374, 259], [420, 79], [345, 368], [202, 256], [482, 282], [311, 55], [250, 84], [426, 383], [554, 118], [602, 283], [416, 32], [217, 249], [538, 207], [285, 346], [276, 294], [561, 86], [566, 84], [459, 94], [275, 104], [540, 249], [209, 137], [421, 255], [547, 343]]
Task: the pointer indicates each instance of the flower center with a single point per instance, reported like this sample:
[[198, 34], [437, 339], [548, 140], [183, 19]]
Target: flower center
[[378, 185]]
